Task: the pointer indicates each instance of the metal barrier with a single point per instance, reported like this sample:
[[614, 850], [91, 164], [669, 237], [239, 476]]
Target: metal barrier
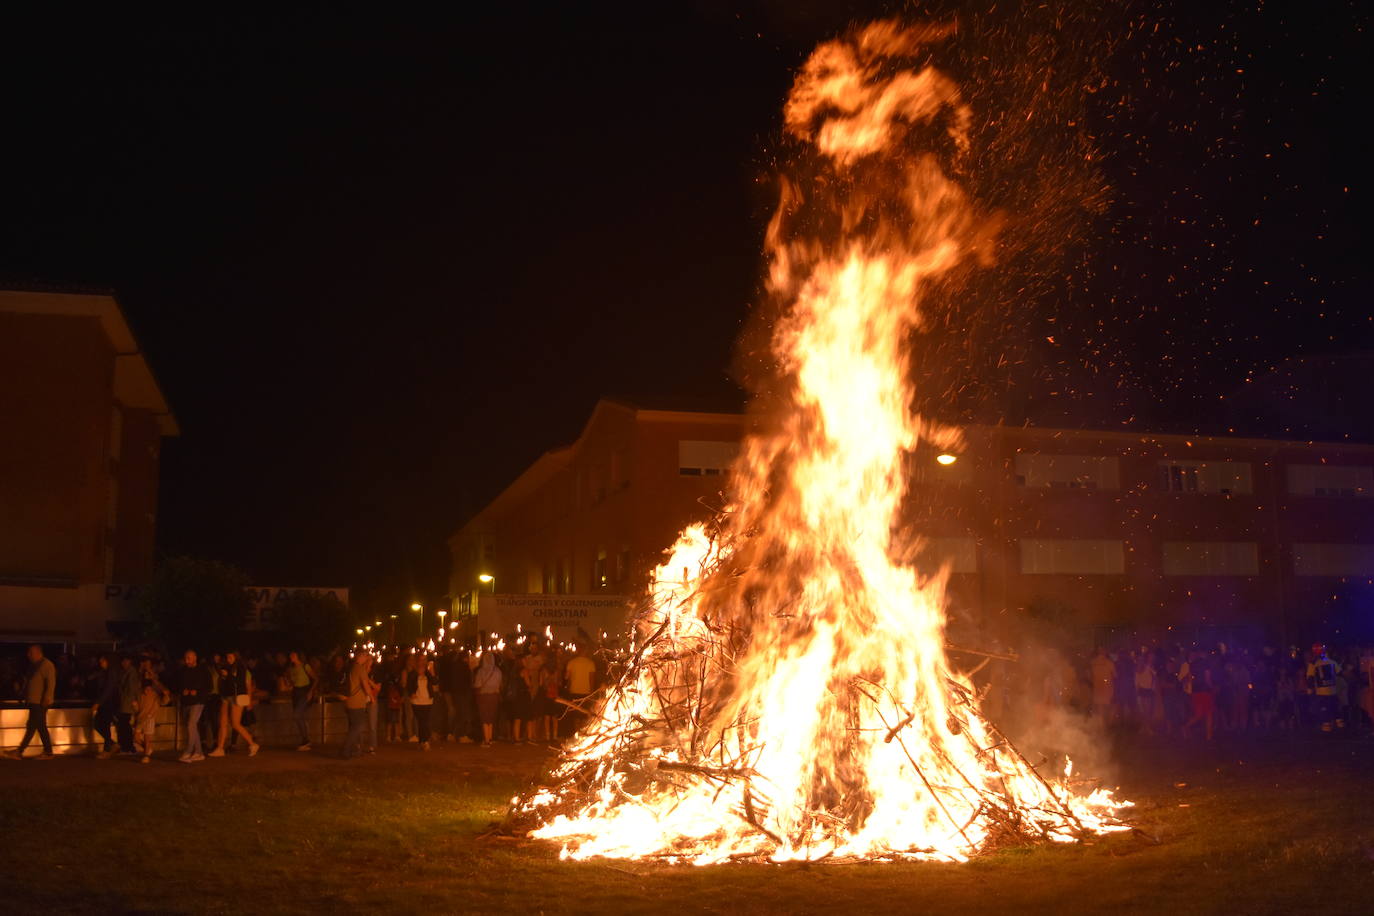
[[70, 725]]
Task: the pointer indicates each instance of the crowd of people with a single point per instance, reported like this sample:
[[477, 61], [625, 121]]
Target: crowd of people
[[1176, 690], [530, 689], [527, 689]]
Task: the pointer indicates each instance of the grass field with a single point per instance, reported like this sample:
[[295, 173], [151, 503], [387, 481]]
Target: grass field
[[1276, 827]]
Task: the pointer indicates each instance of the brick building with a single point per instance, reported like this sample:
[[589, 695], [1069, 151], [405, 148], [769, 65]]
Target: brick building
[[1086, 529], [81, 425]]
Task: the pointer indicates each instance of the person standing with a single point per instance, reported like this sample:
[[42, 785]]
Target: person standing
[[39, 689], [105, 707], [356, 697], [130, 684], [486, 680], [236, 695], [151, 696], [421, 688], [196, 685], [302, 682], [1321, 680], [1103, 671], [455, 679]]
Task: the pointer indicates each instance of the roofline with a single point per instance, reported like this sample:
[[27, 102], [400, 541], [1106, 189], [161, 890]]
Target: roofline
[[104, 307]]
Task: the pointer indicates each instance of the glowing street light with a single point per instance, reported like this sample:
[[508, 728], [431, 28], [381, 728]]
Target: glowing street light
[[486, 578], [419, 609], [946, 459]]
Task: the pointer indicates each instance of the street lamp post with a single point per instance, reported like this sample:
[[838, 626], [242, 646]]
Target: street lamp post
[[419, 609], [393, 629], [442, 614]]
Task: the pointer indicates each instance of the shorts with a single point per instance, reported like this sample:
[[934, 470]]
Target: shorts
[[147, 727]]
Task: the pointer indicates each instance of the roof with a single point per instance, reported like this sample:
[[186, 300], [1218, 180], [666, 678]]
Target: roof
[[135, 385]]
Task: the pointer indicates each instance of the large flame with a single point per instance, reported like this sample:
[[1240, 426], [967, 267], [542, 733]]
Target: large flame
[[788, 694]]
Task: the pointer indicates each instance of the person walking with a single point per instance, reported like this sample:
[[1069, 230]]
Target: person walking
[[196, 685], [40, 686], [151, 696], [130, 685], [455, 681], [421, 689], [302, 682], [236, 695], [356, 697], [486, 680], [105, 707]]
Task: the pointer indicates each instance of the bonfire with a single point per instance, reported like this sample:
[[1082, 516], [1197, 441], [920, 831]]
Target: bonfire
[[788, 693]]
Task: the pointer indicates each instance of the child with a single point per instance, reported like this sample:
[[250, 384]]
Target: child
[[150, 698]]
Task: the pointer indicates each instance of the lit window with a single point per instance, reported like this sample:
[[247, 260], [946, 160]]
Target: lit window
[[1078, 557], [1071, 472], [1331, 480], [1211, 558], [705, 459]]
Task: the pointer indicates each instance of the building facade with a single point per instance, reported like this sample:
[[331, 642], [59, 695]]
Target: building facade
[[81, 426], [1079, 529]]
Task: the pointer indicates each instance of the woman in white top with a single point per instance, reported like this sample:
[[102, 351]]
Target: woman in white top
[[421, 688]]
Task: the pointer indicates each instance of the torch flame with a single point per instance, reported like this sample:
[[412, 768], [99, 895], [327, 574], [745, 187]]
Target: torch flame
[[787, 695]]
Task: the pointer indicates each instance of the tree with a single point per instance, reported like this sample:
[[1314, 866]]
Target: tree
[[196, 604], [315, 623]]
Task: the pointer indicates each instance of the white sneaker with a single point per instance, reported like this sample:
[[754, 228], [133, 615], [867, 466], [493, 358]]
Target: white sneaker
[[252, 750], [197, 758], [217, 752]]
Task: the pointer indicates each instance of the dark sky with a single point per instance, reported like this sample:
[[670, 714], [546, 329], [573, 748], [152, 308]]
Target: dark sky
[[380, 262]]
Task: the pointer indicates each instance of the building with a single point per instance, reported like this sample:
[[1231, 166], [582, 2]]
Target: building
[[81, 426], [1080, 529]]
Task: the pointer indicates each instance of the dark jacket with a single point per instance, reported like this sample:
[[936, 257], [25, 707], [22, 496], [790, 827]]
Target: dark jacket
[[130, 686], [413, 684], [233, 679], [107, 690], [197, 679], [455, 676]]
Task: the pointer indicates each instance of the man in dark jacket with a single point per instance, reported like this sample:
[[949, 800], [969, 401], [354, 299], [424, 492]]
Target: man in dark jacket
[[105, 706], [196, 687], [455, 677], [130, 686]]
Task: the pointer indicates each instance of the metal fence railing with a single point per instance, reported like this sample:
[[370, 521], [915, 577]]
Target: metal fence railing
[[70, 725]]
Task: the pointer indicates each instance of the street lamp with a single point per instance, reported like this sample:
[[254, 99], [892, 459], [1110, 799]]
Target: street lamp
[[488, 579], [442, 614], [419, 609], [946, 459]]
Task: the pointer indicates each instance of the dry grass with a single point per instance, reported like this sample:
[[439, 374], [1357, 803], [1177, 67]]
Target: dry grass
[[1287, 829]]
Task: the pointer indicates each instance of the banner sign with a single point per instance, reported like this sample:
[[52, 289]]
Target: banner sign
[[568, 617]]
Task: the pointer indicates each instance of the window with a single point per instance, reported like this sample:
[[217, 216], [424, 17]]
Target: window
[[1072, 472], [1330, 480], [550, 584], [1333, 559], [959, 554], [622, 564], [1072, 557], [116, 431], [564, 577], [1211, 558], [600, 571], [705, 459], [1224, 477]]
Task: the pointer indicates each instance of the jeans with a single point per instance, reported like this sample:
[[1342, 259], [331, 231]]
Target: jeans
[[124, 730], [422, 712], [193, 745], [300, 707], [38, 722], [104, 718], [357, 724], [372, 725]]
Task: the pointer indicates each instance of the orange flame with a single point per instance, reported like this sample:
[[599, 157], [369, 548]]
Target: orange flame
[[789, 696]]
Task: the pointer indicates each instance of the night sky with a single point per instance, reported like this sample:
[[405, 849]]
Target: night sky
[[380, 262]]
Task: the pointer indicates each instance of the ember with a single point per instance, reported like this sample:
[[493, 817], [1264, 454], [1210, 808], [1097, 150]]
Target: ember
[[788, 693]]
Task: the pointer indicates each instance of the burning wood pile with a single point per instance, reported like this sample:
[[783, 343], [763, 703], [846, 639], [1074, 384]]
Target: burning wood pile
[[788, 693]]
